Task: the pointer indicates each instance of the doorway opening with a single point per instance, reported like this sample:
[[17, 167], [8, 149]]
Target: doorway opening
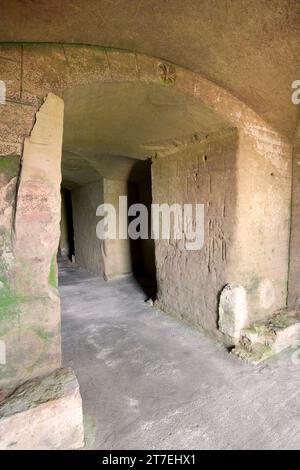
[[108, 259]]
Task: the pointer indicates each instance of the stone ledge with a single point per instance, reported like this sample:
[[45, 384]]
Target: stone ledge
[[266, 338], [43, 414]]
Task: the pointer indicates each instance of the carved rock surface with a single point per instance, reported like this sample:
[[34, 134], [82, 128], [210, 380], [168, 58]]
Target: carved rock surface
[[232, 310], [44, 413]]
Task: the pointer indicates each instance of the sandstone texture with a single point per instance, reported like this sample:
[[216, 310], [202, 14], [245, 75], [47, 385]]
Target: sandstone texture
[[29, 306], [43, 414]]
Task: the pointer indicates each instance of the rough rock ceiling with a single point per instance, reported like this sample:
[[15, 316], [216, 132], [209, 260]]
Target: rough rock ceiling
[[250, 47], [113, 126]]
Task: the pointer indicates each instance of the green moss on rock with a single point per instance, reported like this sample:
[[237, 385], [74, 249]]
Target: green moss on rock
[[52, 278], [9, 165]]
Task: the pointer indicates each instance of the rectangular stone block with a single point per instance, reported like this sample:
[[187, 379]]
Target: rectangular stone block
[[43, 414], [86, 64], [123, 66]]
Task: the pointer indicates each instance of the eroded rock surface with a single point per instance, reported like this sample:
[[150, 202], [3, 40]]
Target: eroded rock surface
[[265, 338], [233, 311], [43, 414]]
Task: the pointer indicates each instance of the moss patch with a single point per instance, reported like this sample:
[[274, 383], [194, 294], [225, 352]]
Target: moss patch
[[43, 334], [9, 165], [52, 278]]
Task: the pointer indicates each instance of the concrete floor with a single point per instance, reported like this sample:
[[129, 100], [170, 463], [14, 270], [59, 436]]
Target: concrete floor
[[149, 382]]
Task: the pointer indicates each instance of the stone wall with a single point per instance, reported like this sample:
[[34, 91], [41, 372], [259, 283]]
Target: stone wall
[[29, 274], [117, 254], [261, 243], [294, 271], [88, 248], [246, 193], [110, 258], [204, 173]]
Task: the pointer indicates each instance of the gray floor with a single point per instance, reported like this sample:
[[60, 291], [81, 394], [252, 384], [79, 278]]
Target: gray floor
[[149, 382]]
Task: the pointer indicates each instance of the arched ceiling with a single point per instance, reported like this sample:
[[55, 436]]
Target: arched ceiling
[[110, 128], [250, 47]]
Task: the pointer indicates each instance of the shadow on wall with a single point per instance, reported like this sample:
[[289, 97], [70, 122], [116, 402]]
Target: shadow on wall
[[142, 249], [66, 243]]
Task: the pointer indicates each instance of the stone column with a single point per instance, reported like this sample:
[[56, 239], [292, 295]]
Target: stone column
[[116, 253], [294, 268], [260, 246], [30, 325]]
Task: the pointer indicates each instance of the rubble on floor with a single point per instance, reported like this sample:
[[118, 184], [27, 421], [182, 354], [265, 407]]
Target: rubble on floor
[[265, 338]]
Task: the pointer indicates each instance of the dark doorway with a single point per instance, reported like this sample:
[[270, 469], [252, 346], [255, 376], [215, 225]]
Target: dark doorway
[[142, 250], [66, 244]]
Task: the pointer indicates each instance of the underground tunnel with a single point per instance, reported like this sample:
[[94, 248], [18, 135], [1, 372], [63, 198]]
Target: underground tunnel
[[149, 235]]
